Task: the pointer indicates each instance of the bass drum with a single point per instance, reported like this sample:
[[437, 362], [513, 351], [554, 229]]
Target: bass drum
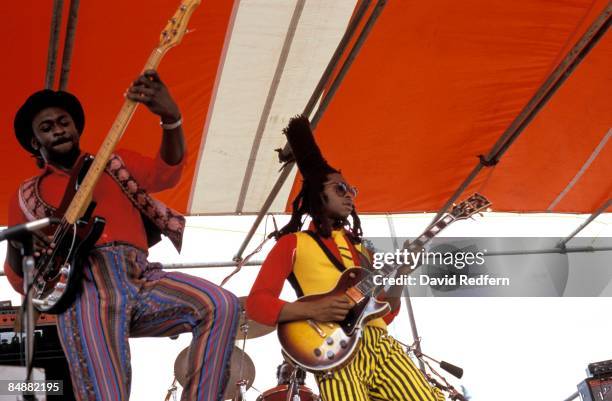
[[279, 393]]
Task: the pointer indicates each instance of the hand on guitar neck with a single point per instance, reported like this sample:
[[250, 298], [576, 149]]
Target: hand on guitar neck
[[149, 90], [331, 308]]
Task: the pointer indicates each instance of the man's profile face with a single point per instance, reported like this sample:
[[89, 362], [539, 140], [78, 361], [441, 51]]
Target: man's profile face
[[55, 134], [338, 202]]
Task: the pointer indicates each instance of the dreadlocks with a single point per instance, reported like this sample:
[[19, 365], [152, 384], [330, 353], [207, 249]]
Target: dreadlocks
[[310, 201]]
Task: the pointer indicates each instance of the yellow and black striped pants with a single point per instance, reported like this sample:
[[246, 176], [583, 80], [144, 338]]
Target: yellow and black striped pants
[[381, 370]]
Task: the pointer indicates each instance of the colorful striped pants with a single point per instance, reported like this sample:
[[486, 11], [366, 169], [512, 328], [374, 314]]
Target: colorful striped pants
[[381, 370], [125, 296]]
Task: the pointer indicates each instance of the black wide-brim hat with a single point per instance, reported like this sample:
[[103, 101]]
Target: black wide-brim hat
[[35, 104]]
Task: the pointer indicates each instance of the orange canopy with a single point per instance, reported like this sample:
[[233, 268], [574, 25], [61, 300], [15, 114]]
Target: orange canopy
[[434, 86]]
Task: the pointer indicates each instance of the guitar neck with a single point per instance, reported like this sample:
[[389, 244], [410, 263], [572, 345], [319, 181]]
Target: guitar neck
[[367, 284], [82, 198]]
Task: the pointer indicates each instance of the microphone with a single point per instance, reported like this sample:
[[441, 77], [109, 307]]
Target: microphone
[[449, 367], [452, 369], [17, 231]]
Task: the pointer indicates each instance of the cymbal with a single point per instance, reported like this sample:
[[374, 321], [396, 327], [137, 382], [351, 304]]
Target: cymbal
[[181, 370], [253, 329]]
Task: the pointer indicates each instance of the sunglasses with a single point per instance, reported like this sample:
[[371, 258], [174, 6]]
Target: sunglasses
[[342, 188]]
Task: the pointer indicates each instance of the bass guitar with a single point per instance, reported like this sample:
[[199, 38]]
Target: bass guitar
[[326, 346], [56, 277]]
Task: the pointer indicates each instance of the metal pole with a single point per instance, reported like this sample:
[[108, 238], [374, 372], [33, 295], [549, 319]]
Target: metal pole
[[265, 114], [592, 217], [413, 326], [203, 265], [56, 21], [172, 266], [573, 396], [573, 58], [324, 103], [264, 209], [333, 62], [553, 250], [69, 43], [210, 265], [348, 62], [344, 42], [415, 333]]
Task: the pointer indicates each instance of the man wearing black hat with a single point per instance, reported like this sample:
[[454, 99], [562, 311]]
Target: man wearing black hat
[[122, 294], [312, 261]]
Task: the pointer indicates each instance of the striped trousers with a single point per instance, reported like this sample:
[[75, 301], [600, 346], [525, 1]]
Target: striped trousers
[[381, 370], [125, 296]]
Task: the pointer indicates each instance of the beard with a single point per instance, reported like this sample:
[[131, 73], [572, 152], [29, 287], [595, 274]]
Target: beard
[[65, 159]]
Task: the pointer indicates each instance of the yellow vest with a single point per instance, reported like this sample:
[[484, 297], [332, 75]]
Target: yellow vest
[[315, 273]]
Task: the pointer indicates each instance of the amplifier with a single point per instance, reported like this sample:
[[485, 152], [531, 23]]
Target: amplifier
[[10, 318], [597, 369], [596, 389], [48, 353]]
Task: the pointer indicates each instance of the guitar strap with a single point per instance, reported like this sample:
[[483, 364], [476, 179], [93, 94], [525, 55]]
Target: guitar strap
[[332, 258], [157, 218], [295, 284], [364, 262]]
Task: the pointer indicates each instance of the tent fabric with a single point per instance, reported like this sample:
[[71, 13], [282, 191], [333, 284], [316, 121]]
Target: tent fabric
[[275, 56], [437, 84], [434, 86], [113, 41]]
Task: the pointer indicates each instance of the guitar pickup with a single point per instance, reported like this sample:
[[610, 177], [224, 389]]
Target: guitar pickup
[[316, 328]]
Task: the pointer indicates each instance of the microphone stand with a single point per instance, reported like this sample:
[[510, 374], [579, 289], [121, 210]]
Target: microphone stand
[[294, 390], [27, 312], [452, 391], [456, 371], [23, 234]]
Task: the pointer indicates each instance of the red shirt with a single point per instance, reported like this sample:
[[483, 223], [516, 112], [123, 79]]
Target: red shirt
[[123, 220], [263, 304]]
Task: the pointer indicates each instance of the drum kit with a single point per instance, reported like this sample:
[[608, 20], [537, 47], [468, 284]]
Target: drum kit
[[242, 369]]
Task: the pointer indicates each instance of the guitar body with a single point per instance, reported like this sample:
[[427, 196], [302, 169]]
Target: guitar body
[[325, 346], [58, 276]]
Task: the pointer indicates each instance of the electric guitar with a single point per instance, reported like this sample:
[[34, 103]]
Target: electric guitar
[[326, 346], [57, 276]]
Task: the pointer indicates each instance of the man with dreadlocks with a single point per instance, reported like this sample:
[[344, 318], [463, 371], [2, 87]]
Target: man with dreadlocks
[[312, 261]]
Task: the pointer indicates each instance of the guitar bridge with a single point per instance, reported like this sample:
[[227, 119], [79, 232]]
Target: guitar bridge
[[355, 295]]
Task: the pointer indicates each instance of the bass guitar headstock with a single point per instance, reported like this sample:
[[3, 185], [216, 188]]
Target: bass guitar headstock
[[176, 27]]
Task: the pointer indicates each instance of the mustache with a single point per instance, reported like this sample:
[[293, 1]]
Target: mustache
[[60, 140]]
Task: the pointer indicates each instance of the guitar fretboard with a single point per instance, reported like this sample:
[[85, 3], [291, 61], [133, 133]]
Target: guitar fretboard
[[81, 199], [366, 285]]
